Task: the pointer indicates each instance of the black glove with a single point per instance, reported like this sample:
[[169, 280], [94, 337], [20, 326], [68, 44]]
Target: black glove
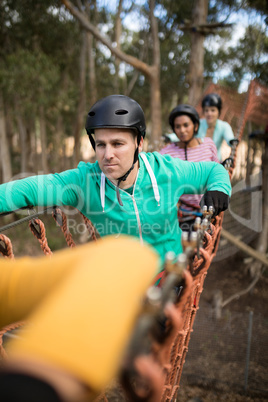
[[217, 199], [228, 162]]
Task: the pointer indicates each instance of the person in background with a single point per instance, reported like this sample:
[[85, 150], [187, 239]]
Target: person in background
[[184, 121], [211, 126]]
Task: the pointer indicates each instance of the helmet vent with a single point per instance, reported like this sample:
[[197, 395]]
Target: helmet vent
[[121, 112], [91, 114]]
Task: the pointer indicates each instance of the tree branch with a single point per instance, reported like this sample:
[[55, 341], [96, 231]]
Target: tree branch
[[133, 61], [204, 28], [154, 28], [242, 292], [244, 247]]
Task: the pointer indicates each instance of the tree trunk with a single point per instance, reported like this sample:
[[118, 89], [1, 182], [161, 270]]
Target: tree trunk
[[82, 99], [129, 86], [58, 146], [151, 72], [91, 55], [196, 68], [155, 91], [263, 241], [31, 167], [248, 169], [59, 160], [117, 34], [4, 148], [43, 137], [155, 102], [23, 138], [91, 70]]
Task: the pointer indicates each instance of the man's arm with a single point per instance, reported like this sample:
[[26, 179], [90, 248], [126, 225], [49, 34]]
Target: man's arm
[[199, 177], [210, 179], [44, 190]]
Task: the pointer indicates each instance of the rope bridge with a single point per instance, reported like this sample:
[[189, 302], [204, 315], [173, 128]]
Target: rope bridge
[[188, 273], [180, 285]]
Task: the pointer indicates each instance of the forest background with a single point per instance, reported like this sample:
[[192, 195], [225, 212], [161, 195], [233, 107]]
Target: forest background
[[58, 57]]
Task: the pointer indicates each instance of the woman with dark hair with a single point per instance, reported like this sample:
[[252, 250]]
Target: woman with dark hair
[[184, 121], [211, 126]]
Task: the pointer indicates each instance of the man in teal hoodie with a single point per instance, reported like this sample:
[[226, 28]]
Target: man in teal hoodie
[[125, 191]]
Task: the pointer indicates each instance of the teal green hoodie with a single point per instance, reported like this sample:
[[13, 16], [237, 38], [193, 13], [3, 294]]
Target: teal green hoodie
[[149, 209]]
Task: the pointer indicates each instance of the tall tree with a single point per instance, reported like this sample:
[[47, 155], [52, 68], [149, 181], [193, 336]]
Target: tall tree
[[196, 66], [247, 57], [34, 61], [4, 149], [198, 19], [91, 12], [152, 72], [79, 124], [117, 39]]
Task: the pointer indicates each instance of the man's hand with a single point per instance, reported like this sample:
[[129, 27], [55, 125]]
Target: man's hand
[[217, 199]]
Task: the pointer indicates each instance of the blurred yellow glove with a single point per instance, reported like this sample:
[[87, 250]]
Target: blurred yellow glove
[[84, 303]]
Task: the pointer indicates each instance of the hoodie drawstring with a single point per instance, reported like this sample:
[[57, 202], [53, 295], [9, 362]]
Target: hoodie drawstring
[[102, 191], [152, 177]]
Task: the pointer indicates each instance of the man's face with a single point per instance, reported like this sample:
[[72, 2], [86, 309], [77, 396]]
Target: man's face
[[115, 148]]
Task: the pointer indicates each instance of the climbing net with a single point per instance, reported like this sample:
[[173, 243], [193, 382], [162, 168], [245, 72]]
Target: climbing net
[[187, 275], [180, 284]]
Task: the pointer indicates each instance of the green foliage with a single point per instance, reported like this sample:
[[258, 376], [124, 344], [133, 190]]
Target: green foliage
[[30, 77], [249, 57], [40, 44], [258, 5], [176, 12], [39, 49]]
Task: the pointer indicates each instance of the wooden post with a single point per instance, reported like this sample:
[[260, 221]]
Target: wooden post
[[244, 247]]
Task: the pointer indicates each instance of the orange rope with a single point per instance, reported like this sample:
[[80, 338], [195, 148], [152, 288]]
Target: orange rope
[[61, 220], [10, 327], [92, 231], [38, 230], [6, 247]]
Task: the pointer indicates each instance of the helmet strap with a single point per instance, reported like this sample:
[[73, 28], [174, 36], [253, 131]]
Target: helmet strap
[[92, 141], [186, 144], [125, 176], [185, 151]]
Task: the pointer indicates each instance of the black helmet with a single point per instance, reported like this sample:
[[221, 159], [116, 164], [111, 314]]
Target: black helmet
[[184, 110], [212, 99], [115, 111]]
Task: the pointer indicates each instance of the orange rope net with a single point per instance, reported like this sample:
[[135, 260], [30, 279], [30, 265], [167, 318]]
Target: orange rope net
[[6, 248], [179, 345], [61, 220], [38, 230]]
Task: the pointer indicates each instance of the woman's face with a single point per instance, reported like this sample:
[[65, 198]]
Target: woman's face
[[211, 114], [184, 128]]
